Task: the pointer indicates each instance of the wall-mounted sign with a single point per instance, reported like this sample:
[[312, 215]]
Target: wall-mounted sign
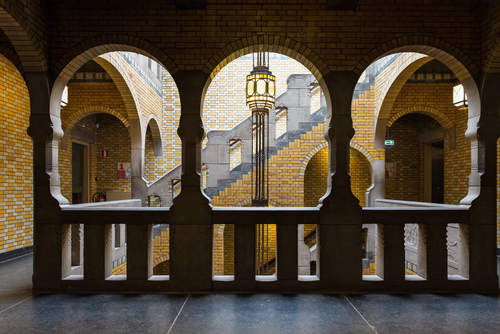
[[389, 142], [104, 153], [124, 170]]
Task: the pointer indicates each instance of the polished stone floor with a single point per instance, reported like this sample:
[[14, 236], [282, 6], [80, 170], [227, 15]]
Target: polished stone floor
[[22, 313]]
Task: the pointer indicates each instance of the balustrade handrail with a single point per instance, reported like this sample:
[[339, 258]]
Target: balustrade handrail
[[416, 204], [256, 215]]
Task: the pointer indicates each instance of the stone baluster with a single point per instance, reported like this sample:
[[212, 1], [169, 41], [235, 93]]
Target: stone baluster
[[97, 251], [287, 249], [244, 254], [437, 253], [139, 252], [380, 255], [394, 255]]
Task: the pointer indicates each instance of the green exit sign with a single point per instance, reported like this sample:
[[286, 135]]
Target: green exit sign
[[389, 142]]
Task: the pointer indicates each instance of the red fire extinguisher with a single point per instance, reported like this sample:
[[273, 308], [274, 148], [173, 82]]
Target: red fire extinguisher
[[99, 196]]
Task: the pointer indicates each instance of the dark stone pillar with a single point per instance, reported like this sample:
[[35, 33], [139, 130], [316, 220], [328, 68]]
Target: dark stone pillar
[[191, 244], [47, 260], [482, 232], [340, 215]]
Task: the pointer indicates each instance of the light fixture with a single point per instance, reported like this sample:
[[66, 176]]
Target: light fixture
[[260, 96], [459, 97]]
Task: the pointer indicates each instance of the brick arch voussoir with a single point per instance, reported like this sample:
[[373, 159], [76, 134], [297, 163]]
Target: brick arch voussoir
[[124, 85], [24, 40], [363, 150], [395, 87], [90, 48], [355, 146], [458, 62], [435, 114], [271, 43], [11, 55], [90, 110]]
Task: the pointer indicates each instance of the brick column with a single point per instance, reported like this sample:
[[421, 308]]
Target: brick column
[[340, 215], [191, 243], [137, 142], [47, 244], [482, 233]]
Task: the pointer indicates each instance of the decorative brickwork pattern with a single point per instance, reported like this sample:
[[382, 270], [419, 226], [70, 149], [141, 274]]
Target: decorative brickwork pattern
[[16, 162], [171, 113]]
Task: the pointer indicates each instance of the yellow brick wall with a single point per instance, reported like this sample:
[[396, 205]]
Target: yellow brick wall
[[225, 106], [316, 174], [229, 249], [286, 175], [161, 253], [84, 98], [407, 154], [315, 179], [436, 99], [154, 166], [218, 249], [16, 166], [112, 136], [171, 108]]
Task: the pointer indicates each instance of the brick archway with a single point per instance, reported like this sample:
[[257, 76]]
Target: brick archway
[[94, 47], [90, 110], [123, 84], [435, 114], [100, 44], [81, 54], [354, 146], [277, 44], [23, 39], [361, 171], [452, 57], [463, 68], [153, 125]]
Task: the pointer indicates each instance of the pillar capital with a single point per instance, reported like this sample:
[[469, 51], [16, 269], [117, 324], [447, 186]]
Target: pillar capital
[[190, 85], [339, 198]]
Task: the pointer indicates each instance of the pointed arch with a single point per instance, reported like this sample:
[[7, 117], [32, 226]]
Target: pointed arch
[[154, 128]]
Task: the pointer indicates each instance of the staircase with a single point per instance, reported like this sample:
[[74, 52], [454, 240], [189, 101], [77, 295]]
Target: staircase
[[301, 123]]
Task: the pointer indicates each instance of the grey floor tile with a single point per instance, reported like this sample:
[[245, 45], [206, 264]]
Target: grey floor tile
[[269, 314], [92, 314], [430, 313]]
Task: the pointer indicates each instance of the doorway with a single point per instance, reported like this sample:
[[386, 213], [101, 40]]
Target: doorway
[[79, 173], [434, 172]]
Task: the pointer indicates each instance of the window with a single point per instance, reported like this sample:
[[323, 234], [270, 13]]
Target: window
[[234, 153], [64, 97], [281, 121], [459, 97]]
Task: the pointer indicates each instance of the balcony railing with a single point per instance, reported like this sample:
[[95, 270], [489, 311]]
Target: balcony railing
[[97, 248]]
